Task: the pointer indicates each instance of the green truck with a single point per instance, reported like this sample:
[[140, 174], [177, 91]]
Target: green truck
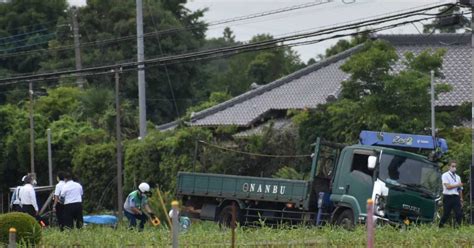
[[404, 186]]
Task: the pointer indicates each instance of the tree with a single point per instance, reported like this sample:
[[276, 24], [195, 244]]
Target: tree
[[15, 144], [375, 99], [158, 158], [235, 74], [94, 166], [68, 135], [342, 45], [214, 99], [59, 101], [26, 25], [101, 20], [451, 20], [229, 36]]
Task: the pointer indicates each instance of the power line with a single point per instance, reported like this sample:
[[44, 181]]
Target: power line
[[253, 153], [51, 35], [270, 12], [191, 27], [22, 34], [26, 39], [221, 55], [374, 17], [174, 30], [166, 67], [167, 60], [397, 15], [43, 24], [212, 53], [284, 39]]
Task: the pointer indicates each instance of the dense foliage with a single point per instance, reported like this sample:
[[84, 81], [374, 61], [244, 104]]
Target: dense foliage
[[28, 231]]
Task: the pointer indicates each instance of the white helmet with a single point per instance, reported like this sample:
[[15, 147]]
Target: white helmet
[[144, 187]]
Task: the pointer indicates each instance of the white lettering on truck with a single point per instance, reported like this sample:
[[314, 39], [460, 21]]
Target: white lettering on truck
[[269, 189]]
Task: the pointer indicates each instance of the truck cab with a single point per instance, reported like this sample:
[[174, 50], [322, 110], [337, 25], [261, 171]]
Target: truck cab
[[403, 185]]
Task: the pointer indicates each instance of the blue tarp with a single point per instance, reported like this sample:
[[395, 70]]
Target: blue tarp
[[100, 219]]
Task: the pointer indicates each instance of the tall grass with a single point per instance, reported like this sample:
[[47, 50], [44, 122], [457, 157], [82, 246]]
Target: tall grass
[[208, 234]]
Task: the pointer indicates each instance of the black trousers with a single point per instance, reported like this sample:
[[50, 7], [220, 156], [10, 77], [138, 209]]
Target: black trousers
[[451, 202], [29, 209], [72, 213], [16, 208], [59, 214]]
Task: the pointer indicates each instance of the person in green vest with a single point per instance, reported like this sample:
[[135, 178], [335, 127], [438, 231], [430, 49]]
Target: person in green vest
[[135, 205]]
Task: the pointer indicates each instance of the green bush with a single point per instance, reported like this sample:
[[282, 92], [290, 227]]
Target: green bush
[[28, 230], [157, 207]]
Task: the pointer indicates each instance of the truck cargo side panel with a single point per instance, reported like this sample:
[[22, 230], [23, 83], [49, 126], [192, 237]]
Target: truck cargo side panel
[[242, 187]]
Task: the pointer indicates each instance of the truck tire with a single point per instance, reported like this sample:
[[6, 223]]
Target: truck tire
[[225, 216], [346, 220]]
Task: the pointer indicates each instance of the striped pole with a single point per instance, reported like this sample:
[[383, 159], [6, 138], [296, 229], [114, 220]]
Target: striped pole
[[12, 237], [175, 221], [370, 223]]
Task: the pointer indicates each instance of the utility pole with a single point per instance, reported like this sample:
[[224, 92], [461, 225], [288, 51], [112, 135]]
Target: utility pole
[[119, 147], [32, 130], [141, 69], [50, 158], [472, 133], [77, 45], [433, 133]]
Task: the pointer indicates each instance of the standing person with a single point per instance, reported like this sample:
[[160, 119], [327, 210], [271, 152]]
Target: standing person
[[58, 206], [452, 194], [71, 192], [28, 196], [15, 203], [135, 204]]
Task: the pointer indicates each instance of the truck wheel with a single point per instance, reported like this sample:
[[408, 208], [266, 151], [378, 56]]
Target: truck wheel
[[225, 216], [346, 220]]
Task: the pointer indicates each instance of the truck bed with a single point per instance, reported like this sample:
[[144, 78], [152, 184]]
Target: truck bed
[[243, 187]]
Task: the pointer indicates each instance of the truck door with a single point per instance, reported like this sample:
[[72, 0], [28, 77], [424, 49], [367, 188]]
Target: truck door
[[360, 183]]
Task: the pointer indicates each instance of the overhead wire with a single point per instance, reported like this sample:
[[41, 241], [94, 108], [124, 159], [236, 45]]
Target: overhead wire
[[254, 153], [188, 28], [289, 45], [275, 41], [227, 50], [30, 45], [371, 18], [43, 24], [270, 12], [165, 66], [174, 30], [22, 34]]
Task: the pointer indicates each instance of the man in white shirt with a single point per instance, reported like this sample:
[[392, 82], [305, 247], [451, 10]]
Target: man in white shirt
[[28, 196], [71, 192], [58, 206], [15, 203], [452, 194]]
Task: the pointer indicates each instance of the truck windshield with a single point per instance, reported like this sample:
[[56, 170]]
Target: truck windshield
[[417, 174]]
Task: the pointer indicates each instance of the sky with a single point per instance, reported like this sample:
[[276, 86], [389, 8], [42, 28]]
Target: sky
[[311, 18]]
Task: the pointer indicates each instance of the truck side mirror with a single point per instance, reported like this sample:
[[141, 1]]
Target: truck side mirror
[[371, 162]]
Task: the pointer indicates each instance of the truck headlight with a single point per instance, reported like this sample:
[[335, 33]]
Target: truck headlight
[[380, 201]]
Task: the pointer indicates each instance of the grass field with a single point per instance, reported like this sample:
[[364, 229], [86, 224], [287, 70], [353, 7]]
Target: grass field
[[208, 234]]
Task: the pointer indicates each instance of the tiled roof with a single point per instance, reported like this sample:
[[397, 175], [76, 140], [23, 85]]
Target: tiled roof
[[277, 124], [312, 85], [457, 68]]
